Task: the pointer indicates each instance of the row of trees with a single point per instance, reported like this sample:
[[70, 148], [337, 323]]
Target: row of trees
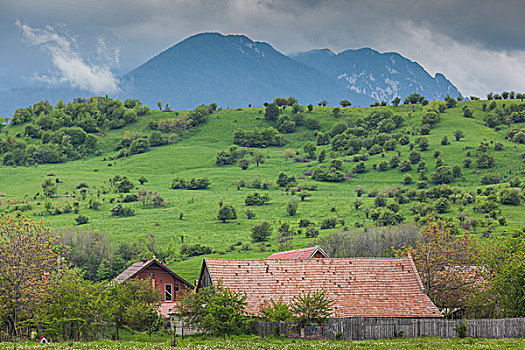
[[221, 311], [37, 290]]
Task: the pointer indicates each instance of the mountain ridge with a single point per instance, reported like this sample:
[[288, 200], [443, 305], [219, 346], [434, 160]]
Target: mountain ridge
[[235, 71]]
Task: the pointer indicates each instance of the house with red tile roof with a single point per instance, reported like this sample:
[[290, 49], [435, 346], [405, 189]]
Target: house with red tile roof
[[365, 287], [168, 283], [306, 253]]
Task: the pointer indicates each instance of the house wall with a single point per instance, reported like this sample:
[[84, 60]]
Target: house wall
[[161, 278]]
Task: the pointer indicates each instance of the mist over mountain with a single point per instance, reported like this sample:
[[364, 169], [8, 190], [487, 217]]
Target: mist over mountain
[[234, 71]]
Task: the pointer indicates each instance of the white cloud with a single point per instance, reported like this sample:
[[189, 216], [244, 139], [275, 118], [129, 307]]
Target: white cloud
[[71, 67]]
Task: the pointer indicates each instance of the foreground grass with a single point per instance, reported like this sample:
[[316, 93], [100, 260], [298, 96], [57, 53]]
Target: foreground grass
[[254, 342]]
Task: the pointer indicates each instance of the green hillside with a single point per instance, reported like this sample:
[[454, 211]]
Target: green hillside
[[193, 155]]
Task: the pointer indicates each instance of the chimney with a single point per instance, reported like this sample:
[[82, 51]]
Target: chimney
[[144, 259], [163, 262]]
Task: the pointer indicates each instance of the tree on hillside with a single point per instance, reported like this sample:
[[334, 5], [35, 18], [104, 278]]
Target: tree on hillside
[[336, 111], [414, 98], [262, 231], [459, 134], [159, 104], [280, 101], [49, 188], [345, 103], [227, 212], [258, 158], [271, 112], [288, 154], [29, 256], [396, 101], [290, 101]]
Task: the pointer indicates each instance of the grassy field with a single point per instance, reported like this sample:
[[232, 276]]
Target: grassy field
[[194, 156], [252, 342]]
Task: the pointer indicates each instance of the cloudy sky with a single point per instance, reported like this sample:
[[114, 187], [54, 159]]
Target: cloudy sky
[[478, 44]]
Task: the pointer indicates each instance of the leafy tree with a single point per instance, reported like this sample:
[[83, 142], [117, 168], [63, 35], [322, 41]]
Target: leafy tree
[[442, 175], [309, 148], [136, 299], [142, 180], [123, 185], [336, 111], [284, 236], [459, 134], [423, 143], [288, 154], [227, 212], [396, 101], [345, 103], [49, 188], [244, 163], [272, 112], [29, 253], [275, 311], [76, 303], [450, 102], [262, 231], [310, 107], [258, 158], [387, 217], [467, 112], [405, 165], [414, 98], [407, 179], [82, 219], [256, 199], [414, 157], [439, 258], [312, 307], [291, 207], [217, 310], [297, 108], [139, 146], [159, 104], [510, 196], [360, 190]]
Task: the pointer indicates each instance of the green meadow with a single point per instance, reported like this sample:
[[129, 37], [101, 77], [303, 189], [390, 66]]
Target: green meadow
[[193, 155]]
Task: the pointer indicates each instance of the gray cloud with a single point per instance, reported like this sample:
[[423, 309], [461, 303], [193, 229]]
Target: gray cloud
[[70, 65], [477, 44]]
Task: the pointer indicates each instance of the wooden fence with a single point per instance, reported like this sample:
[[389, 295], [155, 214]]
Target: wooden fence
[[360, 328]]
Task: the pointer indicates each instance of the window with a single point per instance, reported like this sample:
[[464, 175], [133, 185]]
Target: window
[[168, 292], [176, 287]]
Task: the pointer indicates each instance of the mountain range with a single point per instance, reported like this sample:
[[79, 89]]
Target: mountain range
[[235, 71]]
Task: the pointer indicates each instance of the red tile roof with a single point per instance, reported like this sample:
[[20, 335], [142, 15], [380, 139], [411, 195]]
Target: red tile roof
[[305, 253], [135, 268], [368, 287]]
